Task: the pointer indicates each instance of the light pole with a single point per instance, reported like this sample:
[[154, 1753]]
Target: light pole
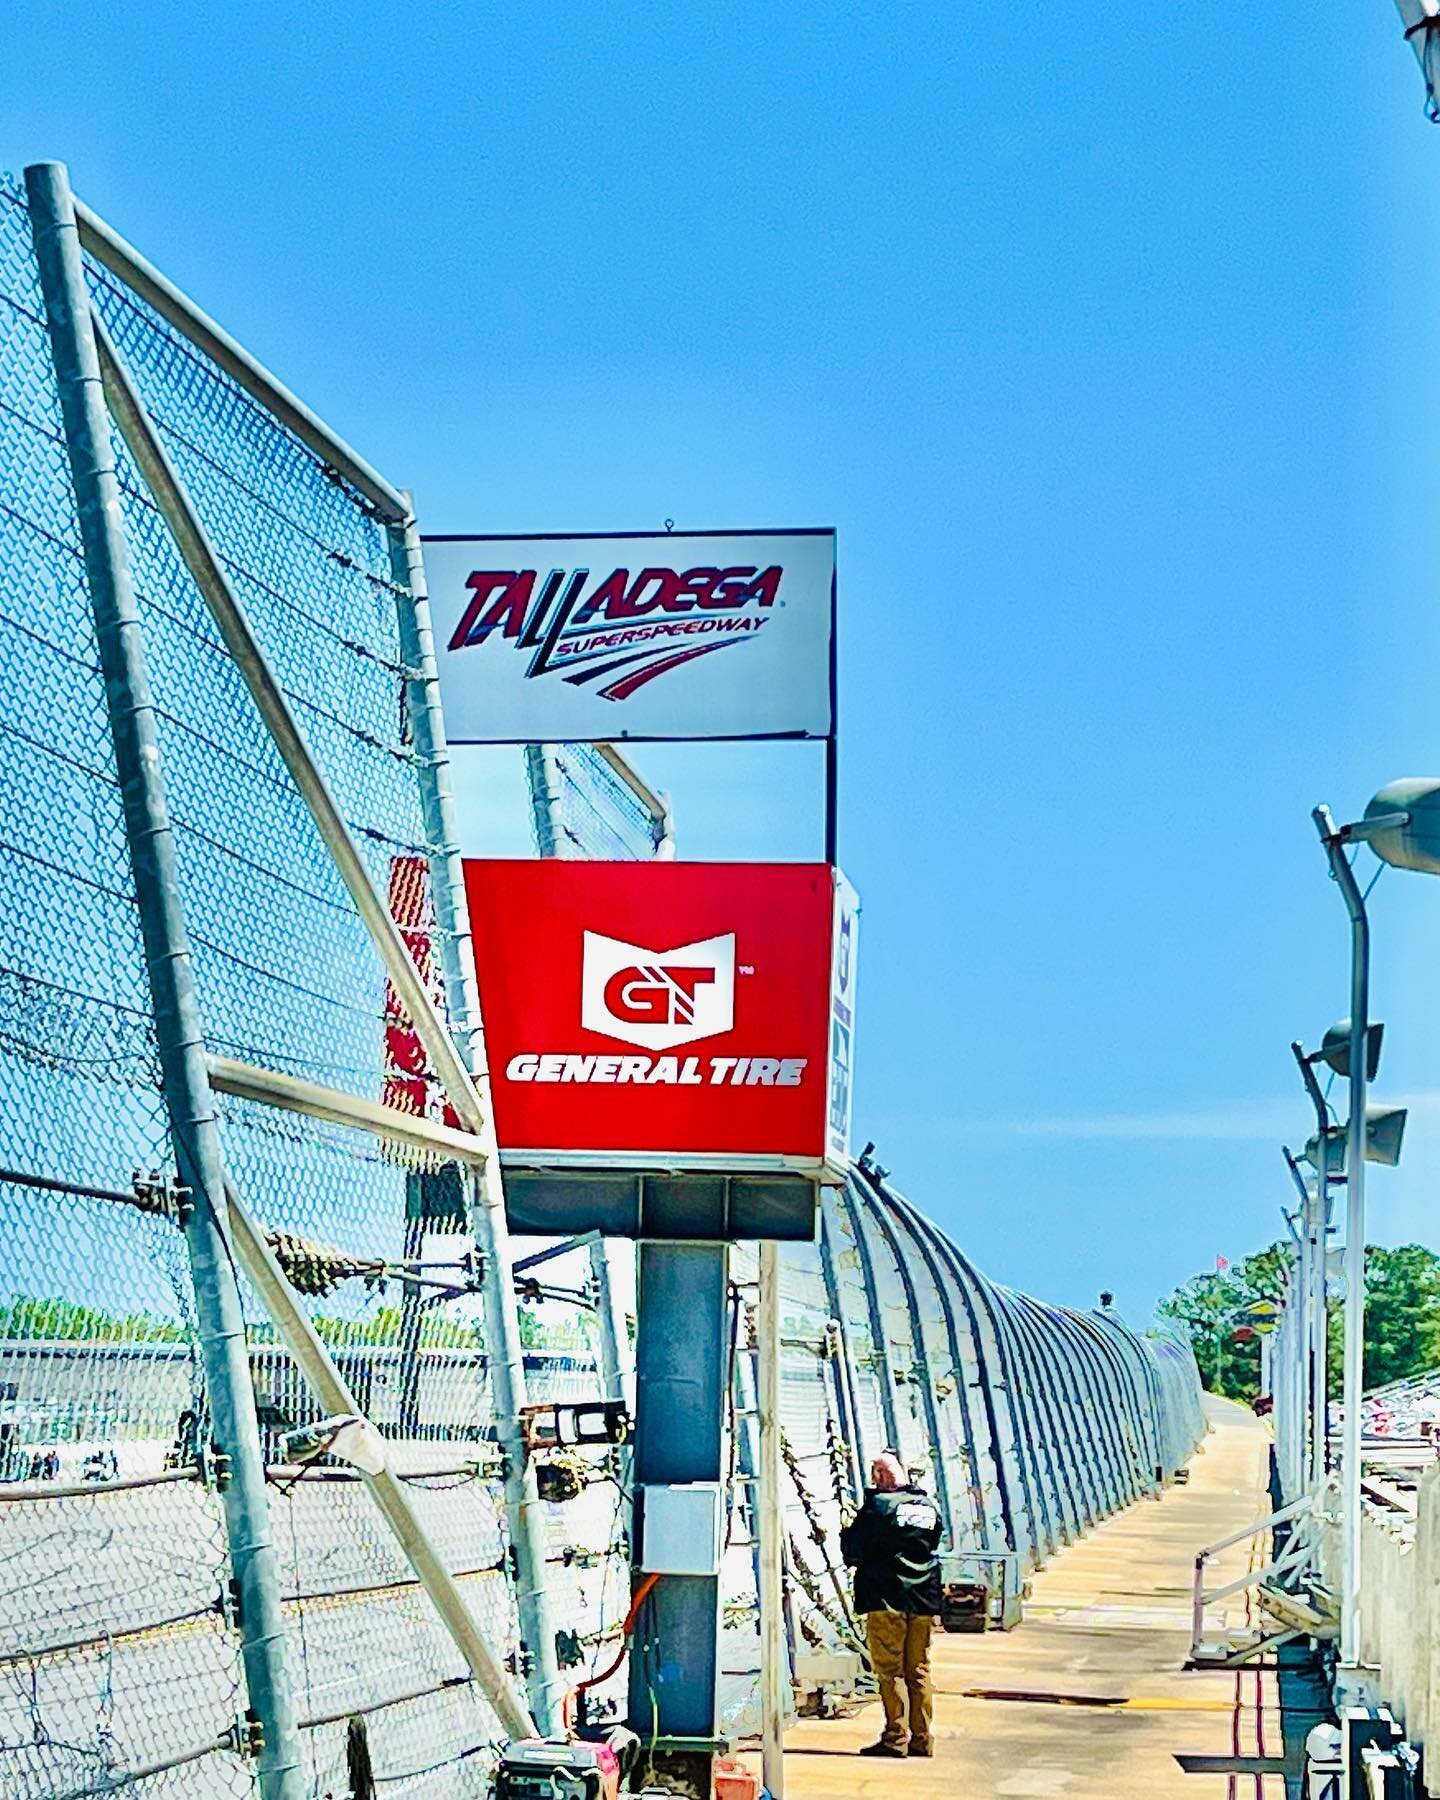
[[1335, 1052], [1312, 1306], [1388, 828], [1303, 1332]]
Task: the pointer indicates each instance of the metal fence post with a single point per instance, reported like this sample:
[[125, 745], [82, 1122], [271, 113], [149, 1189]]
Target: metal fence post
[[543, 779], [610, 1324], [845, 1367], [919, 1366], [774, 1662], [879, 1347], [528, 1523], [186, 1088]]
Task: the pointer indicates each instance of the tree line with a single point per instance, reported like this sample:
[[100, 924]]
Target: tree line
[[1402, 1317]]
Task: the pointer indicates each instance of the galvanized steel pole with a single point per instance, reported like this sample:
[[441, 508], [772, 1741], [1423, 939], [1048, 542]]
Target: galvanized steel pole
[[215, 343], [1354, 1383], [615, 1372], [199, 555], [188, 1099], [1317, 1220], [1320, 1327], [459, 1070], [845, 1367], [774, 1663], [542, 775], [1297, 1320], [527, 1520]]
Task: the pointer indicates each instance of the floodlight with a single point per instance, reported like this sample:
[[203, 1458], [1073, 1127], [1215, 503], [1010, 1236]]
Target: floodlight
[[1415, 843], [1334, 1049]]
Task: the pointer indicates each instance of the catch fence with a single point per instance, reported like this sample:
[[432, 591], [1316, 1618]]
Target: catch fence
[[191, 1610], [137, 1652]]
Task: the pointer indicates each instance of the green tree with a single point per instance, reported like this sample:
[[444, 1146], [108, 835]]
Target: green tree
[[28, 1317], [1402, 1317], [1210, 1308]]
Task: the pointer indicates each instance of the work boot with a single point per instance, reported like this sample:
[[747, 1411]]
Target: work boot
[[883, 1749], [921, 1747]]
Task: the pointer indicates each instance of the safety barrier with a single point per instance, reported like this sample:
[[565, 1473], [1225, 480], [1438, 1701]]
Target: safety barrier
[[1028, 1422], [1400, 1575], [191, 1612]]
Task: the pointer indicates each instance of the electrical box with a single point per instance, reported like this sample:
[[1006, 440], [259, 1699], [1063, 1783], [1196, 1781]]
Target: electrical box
[[680, 1528]]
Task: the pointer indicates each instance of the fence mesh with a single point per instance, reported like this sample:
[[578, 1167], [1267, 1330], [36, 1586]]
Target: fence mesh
[[289, 979], [582, 806], [113, 1655], [119, 1665], [116, 1653]]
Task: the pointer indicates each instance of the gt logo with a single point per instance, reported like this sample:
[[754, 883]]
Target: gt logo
[[655, 996], [658, 999]]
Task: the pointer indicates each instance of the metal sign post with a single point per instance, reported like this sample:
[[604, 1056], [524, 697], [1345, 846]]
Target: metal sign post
[[771, 1521], [681, 1356]]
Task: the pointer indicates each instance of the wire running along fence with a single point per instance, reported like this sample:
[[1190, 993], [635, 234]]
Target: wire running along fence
[[119, 1647]]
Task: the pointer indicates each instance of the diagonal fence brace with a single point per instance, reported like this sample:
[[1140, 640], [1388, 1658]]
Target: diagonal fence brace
[[191, 539], [138, 430], [334, 1395]]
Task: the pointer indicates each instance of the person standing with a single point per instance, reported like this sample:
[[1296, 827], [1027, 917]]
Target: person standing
[[892, 1545]]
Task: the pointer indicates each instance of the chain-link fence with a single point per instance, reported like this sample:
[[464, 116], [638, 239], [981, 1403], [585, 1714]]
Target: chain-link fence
[[114, 1650], [1027, 1422], [120, 1636], [122, 1651], [590, 801]]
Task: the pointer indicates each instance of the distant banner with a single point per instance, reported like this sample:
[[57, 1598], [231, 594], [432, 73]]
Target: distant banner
[[597, 639]]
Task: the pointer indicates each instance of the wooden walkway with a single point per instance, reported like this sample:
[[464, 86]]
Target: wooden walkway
[[1108, 1624]]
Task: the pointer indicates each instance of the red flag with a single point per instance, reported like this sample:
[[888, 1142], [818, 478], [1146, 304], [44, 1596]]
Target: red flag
[[1222, 1262]]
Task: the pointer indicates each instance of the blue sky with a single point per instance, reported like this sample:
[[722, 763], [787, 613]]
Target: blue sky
[[1111, 350]]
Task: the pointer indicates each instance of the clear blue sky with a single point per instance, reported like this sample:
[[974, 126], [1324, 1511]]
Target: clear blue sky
[[1109, 343]]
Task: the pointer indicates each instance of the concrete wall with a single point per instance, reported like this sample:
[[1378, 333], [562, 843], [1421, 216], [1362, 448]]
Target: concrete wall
[[1400, 1617]]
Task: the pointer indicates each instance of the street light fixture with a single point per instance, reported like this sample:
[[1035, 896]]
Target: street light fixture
[[1334, 1049], [1321, 1153], [1421, 19], [1402, 826]]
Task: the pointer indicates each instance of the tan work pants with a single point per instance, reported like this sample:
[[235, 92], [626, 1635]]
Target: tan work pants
[[900, 1656]]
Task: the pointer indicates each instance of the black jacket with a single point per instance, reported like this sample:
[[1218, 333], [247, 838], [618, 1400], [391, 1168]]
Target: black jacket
[[891, 1544]]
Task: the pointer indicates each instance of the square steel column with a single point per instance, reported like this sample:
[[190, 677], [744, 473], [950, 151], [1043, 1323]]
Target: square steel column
[[680, 1387]]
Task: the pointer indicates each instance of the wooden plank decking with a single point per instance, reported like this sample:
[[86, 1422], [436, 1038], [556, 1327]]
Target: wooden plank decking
[[1108, 1621]]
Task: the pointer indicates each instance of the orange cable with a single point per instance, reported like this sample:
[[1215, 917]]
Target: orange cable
[[637, 1601]]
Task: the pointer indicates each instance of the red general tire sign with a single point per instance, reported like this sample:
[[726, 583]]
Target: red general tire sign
[[671, 1015]]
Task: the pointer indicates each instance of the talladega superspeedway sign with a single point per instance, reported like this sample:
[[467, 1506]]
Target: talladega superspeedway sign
[[596, 639], [667, 1015]]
